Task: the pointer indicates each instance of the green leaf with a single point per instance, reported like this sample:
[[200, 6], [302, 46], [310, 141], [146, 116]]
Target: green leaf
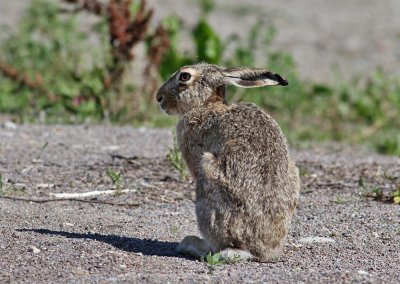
[[67, 90], [216, 257], [208, 43]]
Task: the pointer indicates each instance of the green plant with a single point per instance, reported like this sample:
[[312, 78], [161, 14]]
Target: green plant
[[175, 157], [12, 189], [174, 229], [44, 146], [340, 200], [207, 6], [396, 196], [116, 179], [212, 260], [377, 192], [54, 69], [48, 49], [208, 44], [395, 192]]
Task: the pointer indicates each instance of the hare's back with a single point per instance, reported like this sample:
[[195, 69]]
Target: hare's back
[[254, 153], [248, 124]]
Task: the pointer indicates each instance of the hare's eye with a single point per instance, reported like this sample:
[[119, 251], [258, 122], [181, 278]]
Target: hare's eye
[[184, 76]]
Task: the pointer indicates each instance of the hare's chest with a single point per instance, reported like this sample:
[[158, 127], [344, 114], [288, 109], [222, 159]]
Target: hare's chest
[[193, 142]]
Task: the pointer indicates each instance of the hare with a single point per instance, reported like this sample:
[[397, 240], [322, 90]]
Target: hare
[[247, 186]]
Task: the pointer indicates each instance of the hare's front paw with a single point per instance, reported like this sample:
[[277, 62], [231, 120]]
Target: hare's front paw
[[209, 166], [208, 159], [193, 246]]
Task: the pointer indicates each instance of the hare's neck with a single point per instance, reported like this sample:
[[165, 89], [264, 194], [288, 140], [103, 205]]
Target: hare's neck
[[204, 111]]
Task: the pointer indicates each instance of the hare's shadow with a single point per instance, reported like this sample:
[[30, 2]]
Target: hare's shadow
[[129, 244]]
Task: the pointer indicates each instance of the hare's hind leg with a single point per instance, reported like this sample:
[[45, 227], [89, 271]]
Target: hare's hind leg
[[194, 246]]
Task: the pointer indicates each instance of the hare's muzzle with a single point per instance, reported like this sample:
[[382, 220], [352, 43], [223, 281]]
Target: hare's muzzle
[[159, 97]]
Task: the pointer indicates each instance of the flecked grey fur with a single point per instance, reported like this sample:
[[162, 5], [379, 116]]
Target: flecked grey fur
[[247, 186]]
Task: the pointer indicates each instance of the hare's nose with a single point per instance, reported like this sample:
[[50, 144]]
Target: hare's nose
[[159, 97]]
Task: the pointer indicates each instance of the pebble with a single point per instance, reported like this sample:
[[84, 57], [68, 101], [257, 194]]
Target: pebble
[[110, 148], [44, 185], [9, 125], [309, 240], [80, 271], [19, 186], [33, 249]]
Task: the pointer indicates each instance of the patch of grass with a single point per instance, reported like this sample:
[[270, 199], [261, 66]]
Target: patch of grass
[[116, 179], [212, 260], [174, 156], [396, 196], [395, 191], [41, 150], [12, 189], [377, 192], [340, 200], [303, 172], [174, 229]]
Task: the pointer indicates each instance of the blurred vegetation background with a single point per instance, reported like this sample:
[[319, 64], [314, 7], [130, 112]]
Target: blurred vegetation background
[[54, 70]]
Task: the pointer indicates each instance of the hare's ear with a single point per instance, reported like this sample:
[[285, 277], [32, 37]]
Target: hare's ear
[[247, 77]]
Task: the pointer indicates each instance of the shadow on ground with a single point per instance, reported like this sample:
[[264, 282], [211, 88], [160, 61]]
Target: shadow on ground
[[129, 244]]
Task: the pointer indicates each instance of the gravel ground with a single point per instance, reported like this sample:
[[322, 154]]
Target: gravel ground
[[131, 237]]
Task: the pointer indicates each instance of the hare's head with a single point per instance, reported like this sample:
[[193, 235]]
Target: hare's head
[[193, 85]]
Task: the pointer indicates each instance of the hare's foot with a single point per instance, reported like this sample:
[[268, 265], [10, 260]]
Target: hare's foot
[[193, 246], [234, 255]]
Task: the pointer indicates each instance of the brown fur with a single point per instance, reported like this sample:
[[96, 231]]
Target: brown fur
[[247, 187]]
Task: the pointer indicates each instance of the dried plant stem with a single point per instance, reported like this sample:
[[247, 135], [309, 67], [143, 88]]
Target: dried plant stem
[[40, 201], [23, 79]]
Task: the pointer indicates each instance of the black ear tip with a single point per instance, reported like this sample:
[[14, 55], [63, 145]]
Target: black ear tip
[[282, 81]]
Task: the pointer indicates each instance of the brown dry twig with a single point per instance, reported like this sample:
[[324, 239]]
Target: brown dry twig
[[159, 44], [125, 33], [92, 6], [23, 79]]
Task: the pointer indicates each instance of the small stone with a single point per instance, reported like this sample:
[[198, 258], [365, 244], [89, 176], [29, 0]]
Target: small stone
[[9, 125], [44, 185], [19, 186], [80, 271], [309, 240], [362, 272], [376, 235], [110, 148], [33, 249], [68, 224]]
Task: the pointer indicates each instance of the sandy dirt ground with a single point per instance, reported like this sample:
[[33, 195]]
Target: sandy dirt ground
[[329, 39], [131, 237]]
